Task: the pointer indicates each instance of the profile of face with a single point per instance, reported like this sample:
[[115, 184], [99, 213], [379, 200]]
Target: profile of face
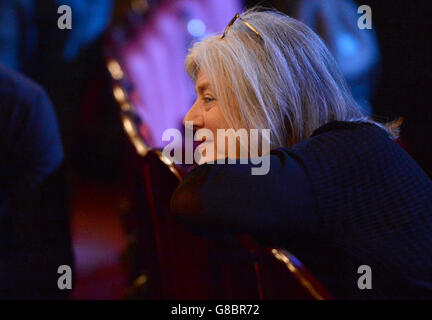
[[207, 114]]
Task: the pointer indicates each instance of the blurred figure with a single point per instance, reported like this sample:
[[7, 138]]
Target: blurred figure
[[18, 33], [59, 60], [29, 27], [90, 18], [34, 226]]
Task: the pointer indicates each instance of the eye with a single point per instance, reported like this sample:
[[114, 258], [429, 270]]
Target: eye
[[208, 99]]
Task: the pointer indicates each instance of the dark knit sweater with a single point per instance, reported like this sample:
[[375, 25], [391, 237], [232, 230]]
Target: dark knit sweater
[[347, 196]]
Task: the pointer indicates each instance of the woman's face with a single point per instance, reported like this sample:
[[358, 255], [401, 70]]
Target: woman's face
[[206, 113]]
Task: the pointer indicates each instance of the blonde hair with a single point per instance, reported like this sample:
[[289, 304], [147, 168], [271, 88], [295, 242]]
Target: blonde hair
[[283, 79]]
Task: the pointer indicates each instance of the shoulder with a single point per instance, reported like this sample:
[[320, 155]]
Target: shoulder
[[353, 152], [28, 124], [17, 86], [23, 100], [340, 137], [348, 147], [346, 126]]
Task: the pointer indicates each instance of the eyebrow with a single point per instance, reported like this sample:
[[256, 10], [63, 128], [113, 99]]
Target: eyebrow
[[203, 86]]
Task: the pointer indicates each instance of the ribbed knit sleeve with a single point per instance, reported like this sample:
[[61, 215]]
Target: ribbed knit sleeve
[[228, 198]]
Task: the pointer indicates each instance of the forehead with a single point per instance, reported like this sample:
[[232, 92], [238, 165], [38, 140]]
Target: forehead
[[202, 81]]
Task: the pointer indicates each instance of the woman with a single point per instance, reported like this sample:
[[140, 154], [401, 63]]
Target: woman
[[339, 194]]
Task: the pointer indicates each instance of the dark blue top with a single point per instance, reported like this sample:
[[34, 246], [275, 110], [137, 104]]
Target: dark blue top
[[347, 196], [34, 231], [30, 142]]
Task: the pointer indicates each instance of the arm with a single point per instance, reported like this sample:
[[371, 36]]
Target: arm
[[226, 198]]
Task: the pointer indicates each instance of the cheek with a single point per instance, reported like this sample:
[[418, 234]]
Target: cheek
[[215, 120]]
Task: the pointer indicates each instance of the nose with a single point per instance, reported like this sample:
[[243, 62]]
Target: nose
[[195, 115]]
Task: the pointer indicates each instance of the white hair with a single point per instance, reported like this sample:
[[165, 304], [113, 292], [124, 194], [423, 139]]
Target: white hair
[[284, 79]]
